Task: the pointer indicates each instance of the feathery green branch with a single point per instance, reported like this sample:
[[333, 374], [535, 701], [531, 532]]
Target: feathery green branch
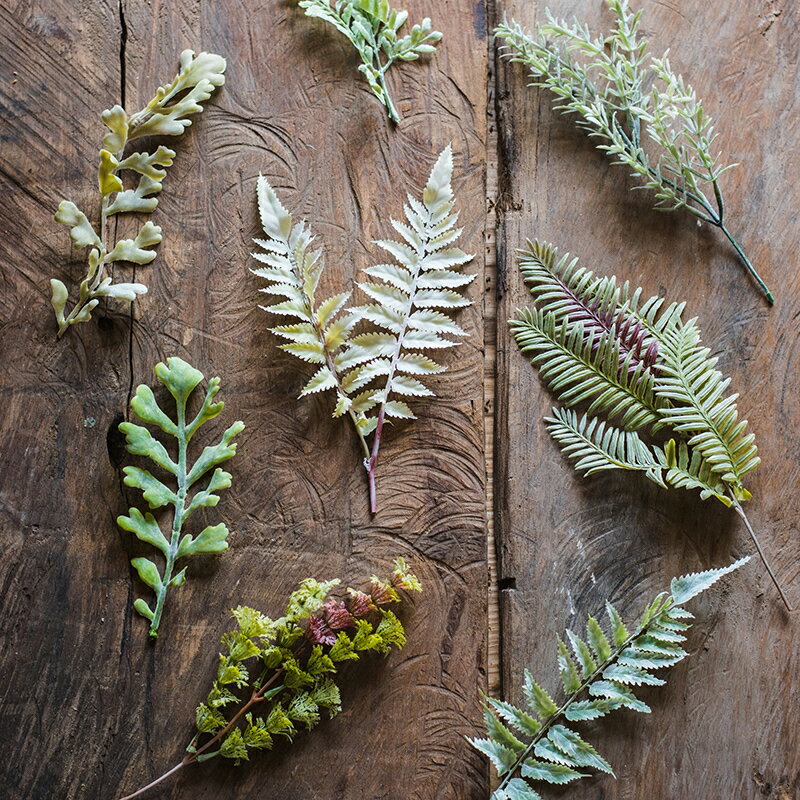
[[602, 82]]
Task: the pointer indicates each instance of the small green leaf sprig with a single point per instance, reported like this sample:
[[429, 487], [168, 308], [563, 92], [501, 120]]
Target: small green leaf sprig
[[165, 115], [408, 312], [181, 379], [536, 743], [602, 347], [662, 134], [373, 28], [275, 677]]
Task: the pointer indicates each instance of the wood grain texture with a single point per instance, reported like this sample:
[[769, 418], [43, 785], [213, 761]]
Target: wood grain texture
[[726, 724], [90, 709]]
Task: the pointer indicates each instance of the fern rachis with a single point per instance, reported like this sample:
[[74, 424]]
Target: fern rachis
[[604, 670], [600, 347], [372, 367]]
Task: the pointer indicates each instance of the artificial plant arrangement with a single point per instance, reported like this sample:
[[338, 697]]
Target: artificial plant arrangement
[[180, 379], [277, 676], [165, 115], [407, 312], [661, 133], [599, 677], [600, 346], [373, 28]]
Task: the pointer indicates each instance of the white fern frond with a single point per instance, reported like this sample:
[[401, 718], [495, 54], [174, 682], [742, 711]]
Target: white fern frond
[[378, 369]]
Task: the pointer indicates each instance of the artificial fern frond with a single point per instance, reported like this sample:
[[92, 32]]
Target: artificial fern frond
[[599, 675], [580, 368], [379, 367], [165, 115], [699, 408], [277, 677], [595, 446], [180, 379], [662, 135], [373, 28], [412, 303], [600, 347]]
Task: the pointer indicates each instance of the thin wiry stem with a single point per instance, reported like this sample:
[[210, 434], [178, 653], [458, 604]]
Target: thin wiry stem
[[763, 557]]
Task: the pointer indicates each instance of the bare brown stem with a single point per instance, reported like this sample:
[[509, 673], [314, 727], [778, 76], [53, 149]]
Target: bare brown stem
[[753, 536]]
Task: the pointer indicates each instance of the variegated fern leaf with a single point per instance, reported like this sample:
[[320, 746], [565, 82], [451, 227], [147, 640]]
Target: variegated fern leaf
[[662, 134], [165, 115], [539, 743], [602, 348], [375, 368], [373, 28]]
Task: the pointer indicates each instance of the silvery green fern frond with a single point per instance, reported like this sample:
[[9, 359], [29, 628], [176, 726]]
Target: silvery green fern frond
[[539, 743], [663, 135], [180, 379], [376, 367], [602, 348], [165, 115], [373, 28]]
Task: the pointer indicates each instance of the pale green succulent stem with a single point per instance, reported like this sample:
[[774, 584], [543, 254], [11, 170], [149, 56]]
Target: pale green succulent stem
[[177, 521], [740, 511], [550, 721], [390, 106], [87, 289]]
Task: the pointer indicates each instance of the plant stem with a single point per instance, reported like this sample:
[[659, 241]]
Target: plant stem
[[180, 765], [191, 758], [390, 107], [753, 536], [373, 459], [177, 522], [750, 268]]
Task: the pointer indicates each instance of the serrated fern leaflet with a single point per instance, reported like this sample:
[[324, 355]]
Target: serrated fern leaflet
[[181, 380], [601, 348], [165, 115], [643, 115], [373, 356], [276, 677], [373, 28], [539, 743]]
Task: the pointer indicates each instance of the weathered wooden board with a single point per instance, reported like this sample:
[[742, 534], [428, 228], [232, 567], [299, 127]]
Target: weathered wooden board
[[726, 725], [90, 709]]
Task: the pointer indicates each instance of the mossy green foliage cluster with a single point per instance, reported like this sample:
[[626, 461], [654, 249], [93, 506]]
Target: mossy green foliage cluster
[[276, 677]]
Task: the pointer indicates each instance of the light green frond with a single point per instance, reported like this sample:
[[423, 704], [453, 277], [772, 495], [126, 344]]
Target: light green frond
[[698, 407], [576, 374], [595, 446], [602, 676]]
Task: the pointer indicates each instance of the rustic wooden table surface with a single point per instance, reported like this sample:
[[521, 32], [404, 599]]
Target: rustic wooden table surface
[[89, 708]]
